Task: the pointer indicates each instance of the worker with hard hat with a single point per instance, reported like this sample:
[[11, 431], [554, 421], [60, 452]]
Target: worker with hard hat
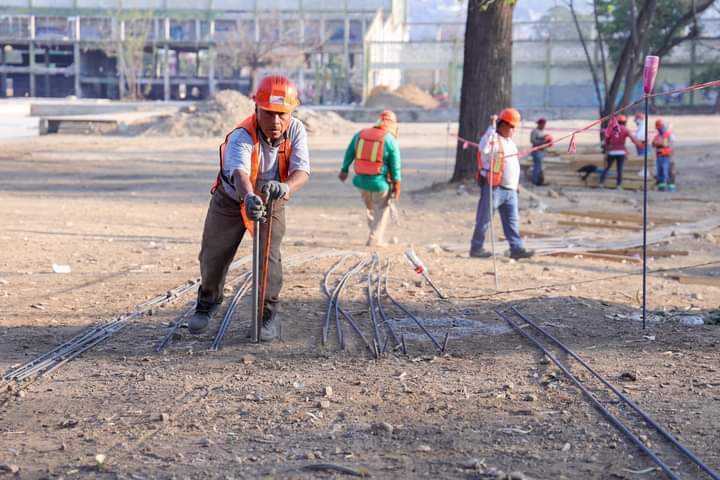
[[375, 156], [615, 135], [263, 159], [538, 138], [639, 119], [663, 144], [499, 170]]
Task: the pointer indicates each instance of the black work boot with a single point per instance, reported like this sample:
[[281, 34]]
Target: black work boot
[[199, 321], [480, 253], [521, 253], [270, 328]]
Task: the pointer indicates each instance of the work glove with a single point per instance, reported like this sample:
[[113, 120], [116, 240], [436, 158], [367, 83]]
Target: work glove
[[254, 207], [342, 176], [275, 190], [395, 191]]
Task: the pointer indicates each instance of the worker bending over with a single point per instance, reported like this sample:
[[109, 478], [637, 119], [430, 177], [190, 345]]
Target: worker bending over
[[264, 158]]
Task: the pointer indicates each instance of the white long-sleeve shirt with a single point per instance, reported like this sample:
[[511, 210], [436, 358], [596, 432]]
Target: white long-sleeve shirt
[[490, 142]]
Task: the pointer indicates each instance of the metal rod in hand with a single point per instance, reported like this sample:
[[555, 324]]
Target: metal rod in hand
[[644, 246], [492, 210], [256, 283]]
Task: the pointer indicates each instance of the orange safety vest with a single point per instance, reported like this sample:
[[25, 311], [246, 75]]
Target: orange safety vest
[[497, 166], [283, 159], [369, 151], [663, 144]]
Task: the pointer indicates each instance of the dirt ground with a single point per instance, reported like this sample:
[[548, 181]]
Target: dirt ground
[[126, 215]]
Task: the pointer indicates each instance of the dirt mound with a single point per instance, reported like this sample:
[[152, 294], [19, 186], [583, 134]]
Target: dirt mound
[[407, 96], [212, 118], [216, 117], [317, 122]]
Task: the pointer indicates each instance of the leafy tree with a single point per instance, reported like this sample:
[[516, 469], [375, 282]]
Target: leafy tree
[[629, 30]]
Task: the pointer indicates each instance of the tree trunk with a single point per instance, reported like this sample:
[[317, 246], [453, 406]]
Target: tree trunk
[[487, 75]]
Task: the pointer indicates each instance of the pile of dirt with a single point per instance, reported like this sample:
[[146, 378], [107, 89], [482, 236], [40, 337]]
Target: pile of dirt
[[317, 122], [216, 117], [407, 96], [212, 118]]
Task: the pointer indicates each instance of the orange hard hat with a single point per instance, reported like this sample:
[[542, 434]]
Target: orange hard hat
[[510, 116], [621, 119], [659, 123], [388, 121], [277, 93], [388, 116]]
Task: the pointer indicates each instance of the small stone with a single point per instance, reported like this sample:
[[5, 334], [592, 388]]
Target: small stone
[[424, 448], [324, 404], [395, 240], [9, 468], [383, 427], [697, 296], [629, 376], [328, 391], [474, 464], [309, 456], [206, 442], [573, 288], [529, 398], [247, 359], [164, 417], [552, 193], [100, 459], [517, 476], [21, 393], [3, 281], [566, 447]]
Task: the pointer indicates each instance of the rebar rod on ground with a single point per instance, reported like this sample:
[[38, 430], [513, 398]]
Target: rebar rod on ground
[[230, 313], [413, 317], [371, 300], [383, 314], [661, 430], [608, 415]]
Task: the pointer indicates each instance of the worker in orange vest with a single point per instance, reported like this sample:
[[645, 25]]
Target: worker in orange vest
[[264, 158], [376, 157], [499, 170], [663, 143]]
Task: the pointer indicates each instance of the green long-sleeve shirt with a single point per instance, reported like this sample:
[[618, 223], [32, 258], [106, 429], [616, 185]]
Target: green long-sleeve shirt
[[391, 159]]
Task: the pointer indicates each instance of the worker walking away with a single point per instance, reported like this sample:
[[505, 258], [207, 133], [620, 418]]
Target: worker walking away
[[663, 143], [263, 159], [499, 170], [375, 154], [539, 137], [639, 119], [615, 136]]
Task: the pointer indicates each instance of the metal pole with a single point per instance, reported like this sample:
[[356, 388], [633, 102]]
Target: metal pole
[[644, 246], [256, 283], [492, 211]]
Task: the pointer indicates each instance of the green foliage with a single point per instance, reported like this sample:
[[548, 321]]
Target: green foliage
[[616, 22]]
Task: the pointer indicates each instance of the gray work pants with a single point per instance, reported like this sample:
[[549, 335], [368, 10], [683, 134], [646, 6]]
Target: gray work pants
[[378, 213], [223, 231]]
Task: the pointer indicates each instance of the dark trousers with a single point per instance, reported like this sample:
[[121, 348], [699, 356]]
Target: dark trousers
[[223, 231], [620, 159]]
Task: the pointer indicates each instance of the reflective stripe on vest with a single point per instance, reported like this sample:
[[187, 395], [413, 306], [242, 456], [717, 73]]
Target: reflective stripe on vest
[[497, 164], [663, 144], [370, 151], [283, 161]]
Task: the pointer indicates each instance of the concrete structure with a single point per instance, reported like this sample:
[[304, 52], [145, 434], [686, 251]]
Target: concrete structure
[[89, 48]]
